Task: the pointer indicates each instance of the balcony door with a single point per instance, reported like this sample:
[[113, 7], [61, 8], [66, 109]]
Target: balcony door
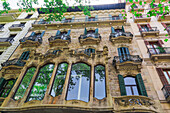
[[124, 54]]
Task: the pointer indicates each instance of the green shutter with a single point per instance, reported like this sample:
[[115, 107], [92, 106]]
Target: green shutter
[[122, 85], [2, 81], [141, 86], [21, 57], [123, 29]]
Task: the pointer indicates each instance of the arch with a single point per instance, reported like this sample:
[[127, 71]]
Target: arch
[[24, 83], [41, 82], [99, 82], [59, 79], [79, 82]]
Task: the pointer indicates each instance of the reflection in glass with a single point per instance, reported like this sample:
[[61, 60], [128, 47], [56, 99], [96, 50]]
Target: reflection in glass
[[40, 85], [99, 88], [79, 83], [25, 83], [59, 80], [131, 86], [6, 88]]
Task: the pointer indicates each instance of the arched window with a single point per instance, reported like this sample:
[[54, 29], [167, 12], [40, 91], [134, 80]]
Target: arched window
[[131, 86], [6, 86], [79, 83], [99, 82], [40, 84], [24, 83], [59, 80]]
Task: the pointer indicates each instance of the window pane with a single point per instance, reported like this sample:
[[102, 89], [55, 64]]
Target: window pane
[[79, 83], [25, 83], [99, 88], [43, 78], [129, 81], [59, 80], [128, 90], [7, 88], [166, 76], [135, 90]]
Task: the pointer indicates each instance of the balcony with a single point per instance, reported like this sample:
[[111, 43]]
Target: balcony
[[127, 62], [160, 17], [142, 18], [16, 27], [138, 8], [166, 91], [52, 53], [31, 41], [15, 62], [134, 102], [159, 53], [90, 39], [6, 42], [59, 40], [149, 31], [121, 37], [79, 23], [82, 52]]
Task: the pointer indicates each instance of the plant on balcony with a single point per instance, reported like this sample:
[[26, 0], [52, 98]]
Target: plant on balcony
[[161, 49]]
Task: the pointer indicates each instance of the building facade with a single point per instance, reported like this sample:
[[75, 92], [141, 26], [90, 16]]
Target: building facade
[[103, 63]]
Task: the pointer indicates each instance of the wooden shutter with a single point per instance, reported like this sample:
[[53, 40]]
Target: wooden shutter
[[58, 32], [112, 30], [123, 29], [122, 85], [87, 18], [140, 28], [2, 81], [96, 18], [96, 31], [162, 76], [141, 86], [164, 25], [148, 25], [68, 33], [42, 34], [32, 34], [110, 17], [85, 31], [73, 19]]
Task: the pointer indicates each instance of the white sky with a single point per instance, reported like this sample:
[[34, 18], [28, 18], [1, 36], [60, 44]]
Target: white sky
[[13, 3]]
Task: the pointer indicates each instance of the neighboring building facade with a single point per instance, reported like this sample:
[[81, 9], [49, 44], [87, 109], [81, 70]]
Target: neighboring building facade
[[88, 64]]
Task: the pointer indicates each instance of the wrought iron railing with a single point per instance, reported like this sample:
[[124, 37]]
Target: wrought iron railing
[[51, 52], [117, 34], [77, 20], [17, 25], [62, 37], [83, 51], [141, 16], [159, 50], [90, 35], [32, 38], [10, 40], [121, 59], [166, 90], [151, 29], [15, 61]]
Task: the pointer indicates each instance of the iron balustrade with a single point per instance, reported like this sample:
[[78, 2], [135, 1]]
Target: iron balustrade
[[62, 37], [117, 34], [10, 40], [78, 20], [83, 51], [17, 25], [94, 35], [166, 90], [126, 57], [15, 61], [159, 50], [51, 52], [32, 38], [151, 29]]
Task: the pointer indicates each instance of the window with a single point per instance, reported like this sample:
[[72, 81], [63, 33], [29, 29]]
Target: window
[[146, 28], [115, 17], [6, 86], [131, 86], [67, 20], [28, 16], [24, 55], [11, 38], [124, 54], [99, 82], [2, 26], [164, 75], [1, 52], [24, 83], [89, 51], [63, 35], [167, 74], [118, 30], [59, 80], [79, 82], [41, 82]]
